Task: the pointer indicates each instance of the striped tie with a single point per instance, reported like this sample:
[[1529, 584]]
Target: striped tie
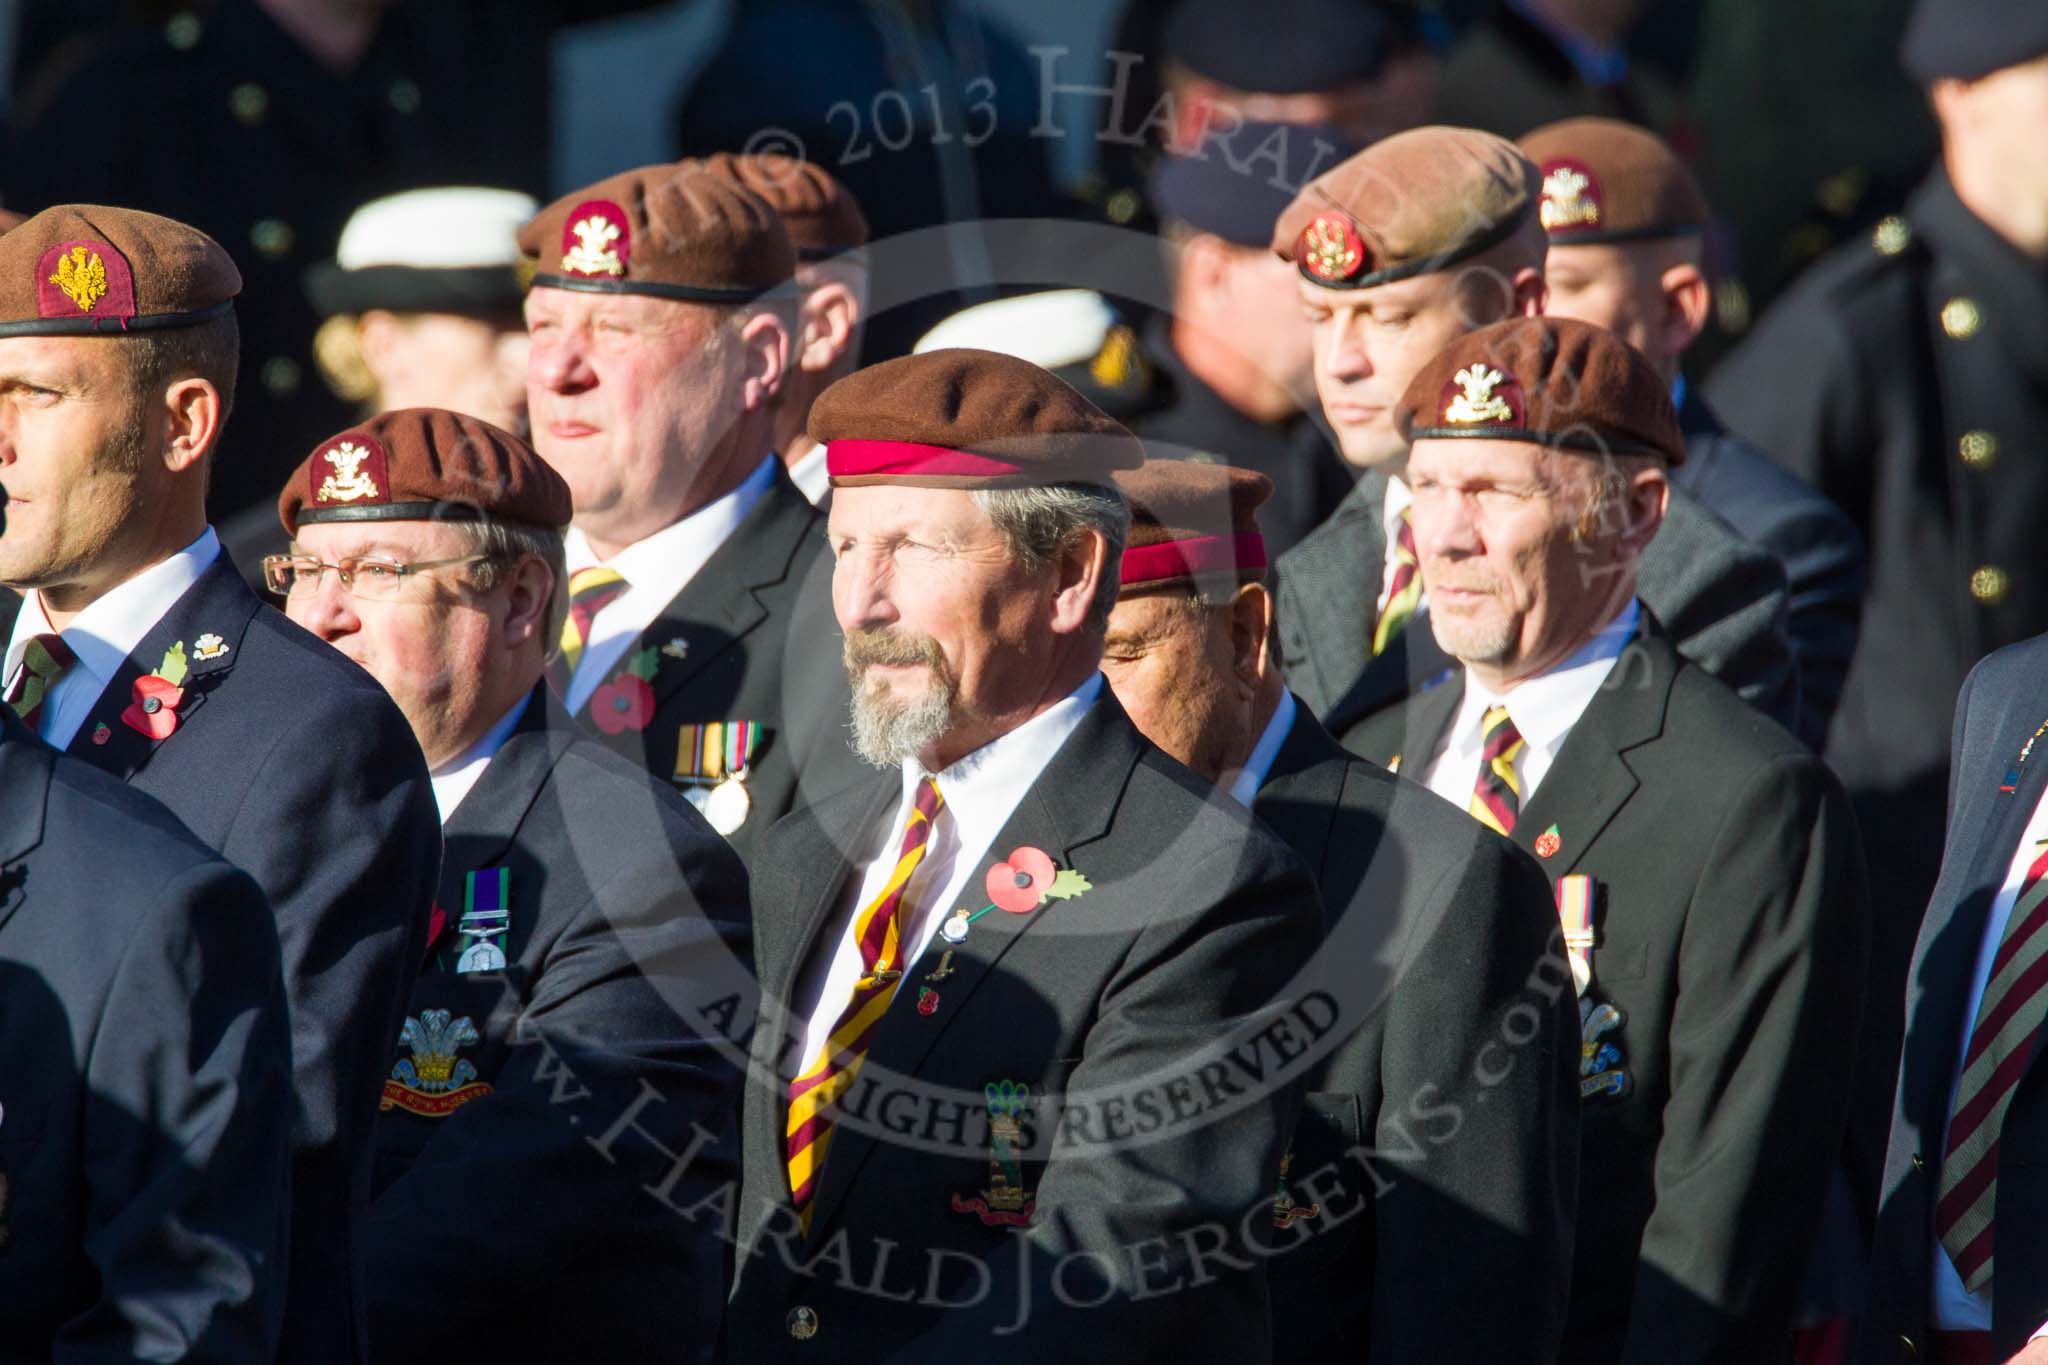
[[1404, 593], [811, 1095], [590, 592], [2008, 1019], [1497, 795], [44, 662]]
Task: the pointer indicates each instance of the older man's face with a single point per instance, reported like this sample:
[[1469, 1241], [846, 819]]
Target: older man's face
[[1172, 663], [944, 629], [1516, 578]]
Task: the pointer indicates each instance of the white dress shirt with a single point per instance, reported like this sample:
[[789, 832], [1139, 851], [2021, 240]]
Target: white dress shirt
[[981, 793], [808, 472], [1252, 775], [105, 634], [1544, 709], [1956, 1309], [655, 569], [453, 779]]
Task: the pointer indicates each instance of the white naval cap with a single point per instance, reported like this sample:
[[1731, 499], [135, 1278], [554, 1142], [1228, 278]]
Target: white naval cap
[[448, 249]]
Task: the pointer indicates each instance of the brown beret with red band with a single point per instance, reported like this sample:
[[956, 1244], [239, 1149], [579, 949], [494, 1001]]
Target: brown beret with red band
[[1193, 526], [680, 231], [1410, 204], [966, 419], [818, 212], [1608, 181], [424, 464], [1552, 382], [85, 269]]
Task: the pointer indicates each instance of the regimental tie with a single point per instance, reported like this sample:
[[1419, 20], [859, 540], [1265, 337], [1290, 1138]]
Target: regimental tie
[[1497, 795], [813, 1094], [44, 662], [591, 590], [1404, 593], [2008, 1020]]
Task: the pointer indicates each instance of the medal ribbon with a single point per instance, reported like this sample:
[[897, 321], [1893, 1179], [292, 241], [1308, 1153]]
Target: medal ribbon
[[1575, 915]]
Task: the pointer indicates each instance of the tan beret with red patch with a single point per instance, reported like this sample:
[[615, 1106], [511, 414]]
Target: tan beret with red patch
[[1194, 525], [1410, 204], [82, 269], [424, 464], [682, 231], [1552, 382], [966, 419], [1609, 181], [821, 216]]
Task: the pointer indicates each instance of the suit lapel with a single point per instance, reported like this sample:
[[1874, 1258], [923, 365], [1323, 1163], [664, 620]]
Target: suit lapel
[[1087, 776], [483, 827], [1428, 719], [25, 768], [1303, 788], [1591, 779], [218, 605]]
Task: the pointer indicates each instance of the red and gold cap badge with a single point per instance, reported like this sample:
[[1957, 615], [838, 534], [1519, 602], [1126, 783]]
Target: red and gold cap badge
[[352, 468], [1330, 247], [1571, 195], [597, 240], [84, 279], [1480, 395]]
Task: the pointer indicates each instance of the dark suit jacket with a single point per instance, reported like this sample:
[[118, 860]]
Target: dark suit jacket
[[2000, 708], [1440, 1138], [145, 1080], [297, 767], [1722, 599], [1818, 545], [629, 971], [1153, 1018], [759, 643], [1732, 923]]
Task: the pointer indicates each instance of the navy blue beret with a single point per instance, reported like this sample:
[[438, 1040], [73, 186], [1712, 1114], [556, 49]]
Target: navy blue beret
[[1287, 47], [1244, 179], [1971, 38]]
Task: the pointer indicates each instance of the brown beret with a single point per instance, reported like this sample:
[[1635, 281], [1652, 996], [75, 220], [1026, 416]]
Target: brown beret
[[1549, 381], [1413, 203], [424, 464], [78, 269], [1193, 525], [674, 231], [966, 419], [1608, 181], [818, 212], [10, 220]]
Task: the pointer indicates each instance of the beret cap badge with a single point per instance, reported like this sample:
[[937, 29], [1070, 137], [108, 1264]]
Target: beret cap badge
[[82, 275], [1571, 196], [1331, 248], [356, 471], [596, 240], [1479, 393]]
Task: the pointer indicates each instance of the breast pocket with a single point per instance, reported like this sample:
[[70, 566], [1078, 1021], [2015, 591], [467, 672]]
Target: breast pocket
[[454, 1042]]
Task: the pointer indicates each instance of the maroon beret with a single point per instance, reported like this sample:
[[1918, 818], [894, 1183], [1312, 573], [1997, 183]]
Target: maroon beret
[[676, 231], [1553, 382], [966, 419], [80, 269], [1410, 204], [1609, 181], [424, 464], [820, 214], [1193, 525]]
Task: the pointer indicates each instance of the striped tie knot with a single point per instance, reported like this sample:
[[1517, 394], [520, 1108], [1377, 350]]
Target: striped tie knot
[[46, 659], [1404, 590], [591, 590], [1497, 795], [878, 932]]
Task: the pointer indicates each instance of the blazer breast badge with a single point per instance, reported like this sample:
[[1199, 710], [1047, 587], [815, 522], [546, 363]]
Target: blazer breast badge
[[434, 1082]]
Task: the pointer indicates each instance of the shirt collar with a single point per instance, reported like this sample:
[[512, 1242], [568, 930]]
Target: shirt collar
[[810, 473], [108, 631], [644, 560], [982, 789], [1544, 708], [454, 779], [1252, 776]]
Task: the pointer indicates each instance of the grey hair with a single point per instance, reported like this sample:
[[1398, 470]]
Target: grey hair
[[1039, 523], [1607, 493], [503, 544]]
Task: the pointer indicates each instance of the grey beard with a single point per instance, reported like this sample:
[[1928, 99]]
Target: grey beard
[[885, 731]]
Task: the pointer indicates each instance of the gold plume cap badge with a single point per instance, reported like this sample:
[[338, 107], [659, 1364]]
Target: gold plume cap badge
[[593, 254], [82, 275], [350, 480], [1564, 199], [1478, 402]]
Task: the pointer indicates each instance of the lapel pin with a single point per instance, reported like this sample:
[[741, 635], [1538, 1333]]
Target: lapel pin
[[954, 930], [101, 734], [944, 969], [208, 648], [678, 648], [1549, 842], [927, 1001]]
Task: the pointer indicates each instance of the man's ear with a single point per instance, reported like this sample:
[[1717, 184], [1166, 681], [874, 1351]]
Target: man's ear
[[1532, 294], [531, 586], [764, 349], [830, 319], [1204, 265], [1648, 495], [1688, 301], [192, 409], [1083, 562], [1251, 634]]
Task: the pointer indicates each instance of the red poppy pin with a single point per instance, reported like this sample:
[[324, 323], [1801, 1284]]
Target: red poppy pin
[[154, 710], [627, 701], [1029, 878]]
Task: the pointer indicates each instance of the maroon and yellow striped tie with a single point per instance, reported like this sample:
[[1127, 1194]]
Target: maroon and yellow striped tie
[[2009, 1018], [1404, 593], [591, 590], [1497, 795], [44, 662], [813, 1094]]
